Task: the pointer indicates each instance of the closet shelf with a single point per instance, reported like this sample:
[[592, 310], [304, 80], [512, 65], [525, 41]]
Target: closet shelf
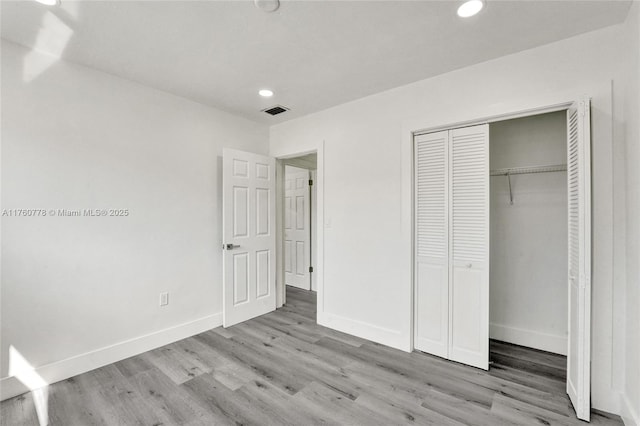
[[527, 170]]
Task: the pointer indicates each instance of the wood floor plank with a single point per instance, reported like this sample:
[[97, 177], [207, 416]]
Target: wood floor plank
[[277, 374], [134, 365], [403, 367], [547, 400], [234, 376], [71, 402], [307, 366], [284, 369], [326, 402], [526, 414], [396, 411], [529, 379], [222, 404], [288, 328], [533, 355], [125, 408], [418, 385], [513, 361], [18, 410], [276, 405], [176, 364], [461, 411], [163, 396]]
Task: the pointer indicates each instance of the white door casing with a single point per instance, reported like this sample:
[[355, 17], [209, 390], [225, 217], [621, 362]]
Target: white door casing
[[297, 231], [431, 319], [249, 237], [314, 230], [579, 268]]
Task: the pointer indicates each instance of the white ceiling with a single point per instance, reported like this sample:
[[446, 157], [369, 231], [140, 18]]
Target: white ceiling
[[313, 54]]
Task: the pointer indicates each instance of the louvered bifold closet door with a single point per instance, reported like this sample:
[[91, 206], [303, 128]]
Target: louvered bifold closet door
[[579, 184], [469, 236], [432, 251]]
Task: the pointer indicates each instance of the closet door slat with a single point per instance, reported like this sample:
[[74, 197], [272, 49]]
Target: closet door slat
[[469, 251], [432, 249], [579, 271]]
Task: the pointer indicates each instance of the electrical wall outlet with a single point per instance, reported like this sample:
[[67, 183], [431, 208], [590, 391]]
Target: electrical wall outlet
[[164, 299]]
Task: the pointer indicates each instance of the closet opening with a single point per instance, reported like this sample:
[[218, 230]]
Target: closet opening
[[502, 246], [528, 297]]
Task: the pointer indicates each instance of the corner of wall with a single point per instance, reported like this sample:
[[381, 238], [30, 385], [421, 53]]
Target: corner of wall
[[629, 416], [630, 397], [384, 336]]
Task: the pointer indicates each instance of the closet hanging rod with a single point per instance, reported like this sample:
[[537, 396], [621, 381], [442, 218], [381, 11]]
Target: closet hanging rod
[[531, 169]]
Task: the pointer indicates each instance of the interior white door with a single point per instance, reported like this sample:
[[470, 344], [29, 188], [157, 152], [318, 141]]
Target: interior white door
[[297, 231], [579, 280], [431, 319], [469, 246], [249, 213]]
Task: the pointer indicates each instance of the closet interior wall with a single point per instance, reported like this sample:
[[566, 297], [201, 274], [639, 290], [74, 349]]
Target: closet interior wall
[[528, 239]]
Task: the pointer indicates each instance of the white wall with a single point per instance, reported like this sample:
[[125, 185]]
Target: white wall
[[528, 278], [74, 138], [367, 233], [631, 411]]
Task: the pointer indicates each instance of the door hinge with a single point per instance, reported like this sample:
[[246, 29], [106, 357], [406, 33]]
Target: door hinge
[[310, 182], [310, 268]]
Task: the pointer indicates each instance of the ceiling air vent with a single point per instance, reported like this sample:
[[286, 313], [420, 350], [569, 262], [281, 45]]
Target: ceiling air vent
[[275, 110]]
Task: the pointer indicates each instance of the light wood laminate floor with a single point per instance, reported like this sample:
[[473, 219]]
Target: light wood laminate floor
[[283, 369]]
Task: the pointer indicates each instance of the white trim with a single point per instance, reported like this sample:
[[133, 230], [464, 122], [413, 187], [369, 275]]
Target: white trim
[[411, 128], [318, 269], [63, 369], [365, 330], [498, 117], [281, 294], [629, 415], [546, 342], [407, 242], [554, 102]]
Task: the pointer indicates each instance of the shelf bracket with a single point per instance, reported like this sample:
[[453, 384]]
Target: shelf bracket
[[510, 191]]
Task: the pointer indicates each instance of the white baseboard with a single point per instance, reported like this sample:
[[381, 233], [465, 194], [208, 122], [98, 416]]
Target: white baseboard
[[629, 415], [532, 339], [63, 369], [364, 330], [607, 400]]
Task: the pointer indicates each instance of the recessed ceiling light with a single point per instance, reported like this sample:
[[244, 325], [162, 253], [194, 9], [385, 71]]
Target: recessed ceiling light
[[267, 5], [265, 93], [49, 2], [470, 8]]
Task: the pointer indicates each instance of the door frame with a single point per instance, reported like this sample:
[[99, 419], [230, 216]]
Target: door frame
[[318, 268], [308, 213], [410, 131]]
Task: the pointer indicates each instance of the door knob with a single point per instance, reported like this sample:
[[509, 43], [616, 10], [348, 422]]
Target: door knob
[[229, 246]]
